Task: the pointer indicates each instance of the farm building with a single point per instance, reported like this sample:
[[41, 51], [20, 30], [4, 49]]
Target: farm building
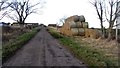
[[31, 24], [52, 25], [4, 24], [77, 26], [15, 24]]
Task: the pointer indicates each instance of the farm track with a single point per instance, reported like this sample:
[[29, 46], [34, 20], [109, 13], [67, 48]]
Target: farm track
[[43, 50]]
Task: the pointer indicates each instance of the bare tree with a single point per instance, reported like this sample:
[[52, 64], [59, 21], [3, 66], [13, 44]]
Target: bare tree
[[62, 20], [4, 4], [111, 11], [22, 9], [99, 6]]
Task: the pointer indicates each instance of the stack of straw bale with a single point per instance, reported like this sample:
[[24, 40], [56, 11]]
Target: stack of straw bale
[[74, 26]]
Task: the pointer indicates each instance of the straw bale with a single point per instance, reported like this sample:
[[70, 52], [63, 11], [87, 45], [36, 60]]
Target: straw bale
[[76, 19], [81, 18], [85, 24], [87, 33], [78, 31], [79, 25], [75, 24], [71, 18], [72, 24], [92, 33], [68, 33]]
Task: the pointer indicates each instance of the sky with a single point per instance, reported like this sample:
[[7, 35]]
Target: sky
[[55, 9]]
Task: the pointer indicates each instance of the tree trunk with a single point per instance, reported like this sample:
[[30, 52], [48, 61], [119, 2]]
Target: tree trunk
[[103, 30], [110, 30], [21, 23], [109, 33], [103, 35]]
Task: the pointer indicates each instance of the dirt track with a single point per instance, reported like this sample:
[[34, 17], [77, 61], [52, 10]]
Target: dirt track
[[43, 50]]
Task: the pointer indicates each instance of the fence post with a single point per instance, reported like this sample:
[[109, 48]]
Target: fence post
[[116, 33]]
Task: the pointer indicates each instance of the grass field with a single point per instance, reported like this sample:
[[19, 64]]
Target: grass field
[[89, 55]]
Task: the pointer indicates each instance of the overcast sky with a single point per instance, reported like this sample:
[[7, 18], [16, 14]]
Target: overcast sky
[[56, 9]]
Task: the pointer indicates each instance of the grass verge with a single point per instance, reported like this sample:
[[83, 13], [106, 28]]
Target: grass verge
[[9, 49], [91, 57]]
